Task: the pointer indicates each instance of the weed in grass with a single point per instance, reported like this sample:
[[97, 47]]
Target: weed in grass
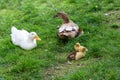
[[115, 26]]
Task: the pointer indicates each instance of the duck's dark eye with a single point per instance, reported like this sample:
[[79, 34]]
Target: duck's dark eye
[[32, 34]]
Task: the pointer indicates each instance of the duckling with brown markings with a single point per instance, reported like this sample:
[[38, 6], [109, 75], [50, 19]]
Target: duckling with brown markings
[[80, 51]]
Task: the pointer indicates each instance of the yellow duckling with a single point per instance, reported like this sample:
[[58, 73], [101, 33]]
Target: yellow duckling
[[80, 51]]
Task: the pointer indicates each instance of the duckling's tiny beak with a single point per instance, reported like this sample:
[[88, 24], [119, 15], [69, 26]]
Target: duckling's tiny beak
[[55, 16], [37, 38]]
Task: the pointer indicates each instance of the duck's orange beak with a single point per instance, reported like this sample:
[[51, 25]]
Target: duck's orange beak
[[37, 38]]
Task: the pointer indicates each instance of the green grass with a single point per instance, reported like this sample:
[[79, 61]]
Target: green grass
[[48, 60]]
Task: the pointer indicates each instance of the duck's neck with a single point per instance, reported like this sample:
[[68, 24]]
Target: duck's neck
[[30, 40], [66, 19]]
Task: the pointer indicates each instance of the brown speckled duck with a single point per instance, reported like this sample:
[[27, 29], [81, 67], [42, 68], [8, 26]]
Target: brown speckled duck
[[68, 29]]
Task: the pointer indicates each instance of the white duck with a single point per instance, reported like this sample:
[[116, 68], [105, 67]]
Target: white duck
[[23, 38]]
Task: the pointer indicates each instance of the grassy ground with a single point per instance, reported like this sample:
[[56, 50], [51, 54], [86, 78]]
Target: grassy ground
[[100, 20]]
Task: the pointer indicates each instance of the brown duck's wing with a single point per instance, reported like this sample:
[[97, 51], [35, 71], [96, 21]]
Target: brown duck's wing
[[68, 27], [69, 30], [80, 32]]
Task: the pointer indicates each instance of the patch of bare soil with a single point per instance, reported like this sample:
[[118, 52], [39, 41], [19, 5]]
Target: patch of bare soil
[[113, 19], [63, 69]]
